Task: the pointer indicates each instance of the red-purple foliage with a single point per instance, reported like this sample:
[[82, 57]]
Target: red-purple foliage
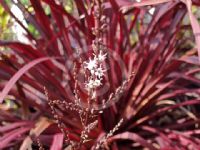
[[160, 105]]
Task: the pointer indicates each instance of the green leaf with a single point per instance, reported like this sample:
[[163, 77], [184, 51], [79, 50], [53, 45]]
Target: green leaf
[[33, 30]]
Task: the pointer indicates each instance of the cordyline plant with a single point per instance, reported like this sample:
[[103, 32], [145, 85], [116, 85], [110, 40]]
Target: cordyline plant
[[116, 76]]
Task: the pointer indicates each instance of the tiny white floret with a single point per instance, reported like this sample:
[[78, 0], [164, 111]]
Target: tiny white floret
[[99, 72], [91, 64], [101, 56]]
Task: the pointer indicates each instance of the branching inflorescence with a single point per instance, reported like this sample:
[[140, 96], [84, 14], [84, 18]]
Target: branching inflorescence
[[95, 69]]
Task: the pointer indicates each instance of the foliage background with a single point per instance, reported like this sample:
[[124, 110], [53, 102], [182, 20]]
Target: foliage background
[[160, 105]]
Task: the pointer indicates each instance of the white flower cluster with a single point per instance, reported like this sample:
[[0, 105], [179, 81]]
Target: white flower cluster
[[95, 67]]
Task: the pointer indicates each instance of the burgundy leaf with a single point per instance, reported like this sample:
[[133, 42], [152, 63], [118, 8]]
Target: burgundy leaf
[[57, 143], [18, 74]]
